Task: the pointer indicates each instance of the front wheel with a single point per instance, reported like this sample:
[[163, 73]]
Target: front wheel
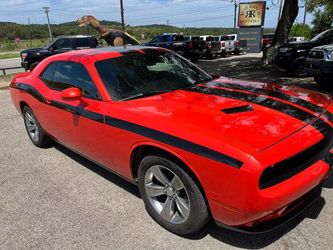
[[171, 196]]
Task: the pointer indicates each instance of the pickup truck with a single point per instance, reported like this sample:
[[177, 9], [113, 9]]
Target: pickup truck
[[227, 46], [190, 48], [31, 57], [239, 45], [212, 47]]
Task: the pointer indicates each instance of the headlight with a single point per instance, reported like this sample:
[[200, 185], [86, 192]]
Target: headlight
[[284, 49], [301, 50], [23, 56]]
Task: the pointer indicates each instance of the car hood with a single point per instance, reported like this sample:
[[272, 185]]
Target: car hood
[[31, 51], [249, 116], [328, 47], [301, 44]]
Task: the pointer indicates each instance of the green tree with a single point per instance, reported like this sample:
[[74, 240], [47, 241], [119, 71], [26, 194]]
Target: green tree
[[299, 29], [323, 20]]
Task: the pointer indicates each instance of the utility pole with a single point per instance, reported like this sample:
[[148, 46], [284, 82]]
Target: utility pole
[[305, 10], [280, 10], [168, 22], [122, 15], [29, 28], [47, 9], [235, 13]]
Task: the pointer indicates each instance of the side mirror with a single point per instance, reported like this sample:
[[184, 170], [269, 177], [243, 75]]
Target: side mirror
[[71, 93]]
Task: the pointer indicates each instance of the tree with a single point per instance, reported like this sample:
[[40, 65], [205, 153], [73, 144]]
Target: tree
[[289, 14], [299, 29], [322, 21]]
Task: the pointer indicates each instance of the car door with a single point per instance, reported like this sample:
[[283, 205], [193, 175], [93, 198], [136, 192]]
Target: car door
[[76, 123]]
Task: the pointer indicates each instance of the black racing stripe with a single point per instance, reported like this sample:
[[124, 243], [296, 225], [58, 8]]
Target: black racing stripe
[[30, 90], [260, 100], [173, 141], [138, 129], [329, 159], [277, 94], [78, 111]]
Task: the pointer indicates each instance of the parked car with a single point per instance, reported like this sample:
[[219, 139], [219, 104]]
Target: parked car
[[240, 45], [31, 57], [250, 155], [319, 64], [212, 47], [267, 40], [192, 49], [291, 56], [227, 46]]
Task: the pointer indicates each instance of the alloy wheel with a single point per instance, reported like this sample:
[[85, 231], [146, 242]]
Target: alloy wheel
[[32, 126], [167, 194]]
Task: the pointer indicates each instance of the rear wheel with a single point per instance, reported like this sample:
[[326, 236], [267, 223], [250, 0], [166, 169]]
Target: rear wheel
[[171, 196], [36, 133]]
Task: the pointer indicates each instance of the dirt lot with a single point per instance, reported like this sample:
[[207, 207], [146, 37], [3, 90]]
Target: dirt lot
[[54, 199]]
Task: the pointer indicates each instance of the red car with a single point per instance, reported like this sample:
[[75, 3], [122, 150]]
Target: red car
[[249, 155]]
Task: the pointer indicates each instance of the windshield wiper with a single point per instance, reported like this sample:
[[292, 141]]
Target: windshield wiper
[[146, 94]]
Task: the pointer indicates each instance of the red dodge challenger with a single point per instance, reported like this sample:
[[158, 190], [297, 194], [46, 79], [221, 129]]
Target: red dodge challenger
[[250, 155]]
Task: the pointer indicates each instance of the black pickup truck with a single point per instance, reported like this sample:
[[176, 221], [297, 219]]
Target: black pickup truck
[[190, 47], [31, 57], [291, 56]]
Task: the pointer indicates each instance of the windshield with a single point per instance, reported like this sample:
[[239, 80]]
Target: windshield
[[135, 75], [320, 35]]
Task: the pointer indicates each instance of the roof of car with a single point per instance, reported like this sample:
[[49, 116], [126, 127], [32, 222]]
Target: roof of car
[[75, 36], [101, 53]]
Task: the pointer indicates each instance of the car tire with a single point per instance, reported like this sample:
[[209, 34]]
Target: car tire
[[35, 132], [171, 196], [195, 58], [236, 52], [33, 65]]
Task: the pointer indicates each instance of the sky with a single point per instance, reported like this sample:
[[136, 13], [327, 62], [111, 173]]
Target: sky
[[180, 13]]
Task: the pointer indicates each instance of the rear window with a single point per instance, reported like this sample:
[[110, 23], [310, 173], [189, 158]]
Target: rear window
[[210, 38], [224, 38]]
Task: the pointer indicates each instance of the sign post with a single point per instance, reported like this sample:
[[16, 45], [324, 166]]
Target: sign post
[[251, 18]]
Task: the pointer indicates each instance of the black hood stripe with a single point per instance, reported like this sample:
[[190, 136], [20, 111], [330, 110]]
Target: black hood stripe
[[257, 99], [137, 129], [277, 94]]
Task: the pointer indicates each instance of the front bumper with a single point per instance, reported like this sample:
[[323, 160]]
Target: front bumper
[[319, 67], [25, 65], [276, 220], [246, 204]]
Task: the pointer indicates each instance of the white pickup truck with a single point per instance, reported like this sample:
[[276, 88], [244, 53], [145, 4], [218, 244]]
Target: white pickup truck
[[239, 45], [227, 45]]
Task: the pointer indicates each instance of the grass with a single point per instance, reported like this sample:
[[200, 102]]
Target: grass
[[9, 55]]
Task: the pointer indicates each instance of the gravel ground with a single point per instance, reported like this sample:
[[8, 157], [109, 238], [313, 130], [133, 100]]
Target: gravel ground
[[54, 199]]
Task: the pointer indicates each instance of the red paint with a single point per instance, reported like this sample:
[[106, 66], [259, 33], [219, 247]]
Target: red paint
[[233, 194]]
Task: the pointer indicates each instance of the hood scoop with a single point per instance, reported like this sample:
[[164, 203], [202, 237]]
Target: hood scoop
[[239, 109]]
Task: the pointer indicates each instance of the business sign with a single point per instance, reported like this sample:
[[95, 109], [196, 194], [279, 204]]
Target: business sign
[[253, 36], [251, 14]]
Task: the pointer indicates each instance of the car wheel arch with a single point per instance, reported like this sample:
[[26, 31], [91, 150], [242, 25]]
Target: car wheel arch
[[22, 105], [140, 151]]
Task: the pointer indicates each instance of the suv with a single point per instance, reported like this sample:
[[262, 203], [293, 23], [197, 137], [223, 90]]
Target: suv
[[319, 64], [291, 56], [31, 57]]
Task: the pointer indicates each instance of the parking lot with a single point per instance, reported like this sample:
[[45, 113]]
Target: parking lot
[[53, 198]]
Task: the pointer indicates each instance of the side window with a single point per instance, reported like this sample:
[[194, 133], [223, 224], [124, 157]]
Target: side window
[[62, 75], [62, 43], [81, 43], [156, 39], [48, 75]]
